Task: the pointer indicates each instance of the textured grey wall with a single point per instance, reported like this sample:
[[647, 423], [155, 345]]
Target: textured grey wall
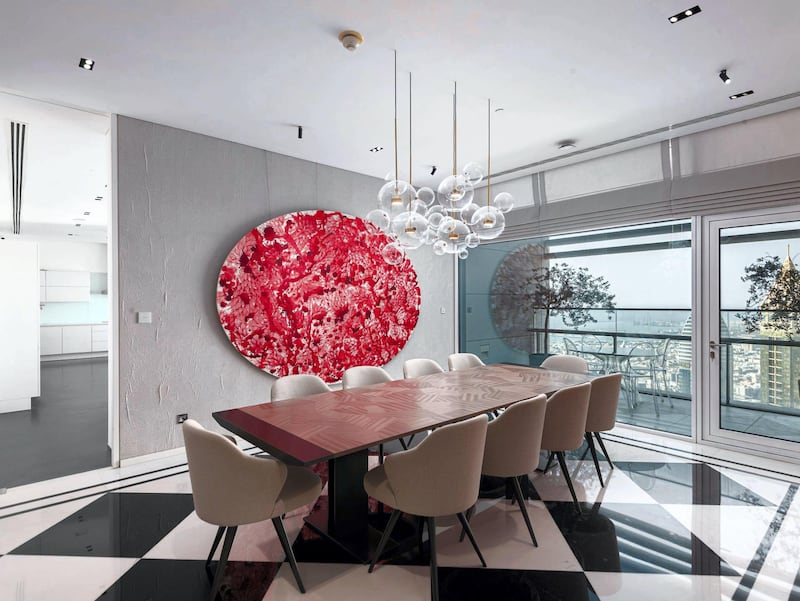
[[184, 200]]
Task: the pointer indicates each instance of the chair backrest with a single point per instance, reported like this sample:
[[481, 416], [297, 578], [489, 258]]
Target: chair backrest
[[603, 401], [441, 475], [414, 368], [458, 361], [565, 418], [513, 440], [570, 348], [566, 363], [229, 487], [364, 375], [289, 387]]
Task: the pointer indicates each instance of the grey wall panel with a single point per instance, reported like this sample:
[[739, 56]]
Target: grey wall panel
[[184, 200]]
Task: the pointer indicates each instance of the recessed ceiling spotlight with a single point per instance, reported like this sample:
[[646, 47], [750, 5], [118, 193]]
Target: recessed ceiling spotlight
[[499, 109], [566, 145], [376, 149], [87, 212], [77, 225], [723, 75], [684, 14], [70, 234], [86, 63], [740, 95], [98, 198]]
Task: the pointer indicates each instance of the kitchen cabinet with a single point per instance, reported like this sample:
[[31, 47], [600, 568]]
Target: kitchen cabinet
[[50, 340], [64, 286], [99, 338], [73, 339]]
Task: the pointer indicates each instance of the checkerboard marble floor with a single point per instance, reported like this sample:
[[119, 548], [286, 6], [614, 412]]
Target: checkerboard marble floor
[[663, 528]]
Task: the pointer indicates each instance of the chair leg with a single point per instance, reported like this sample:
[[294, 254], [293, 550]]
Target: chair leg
[[590, 442], [602, 446], [549, 461], [384, 538], [223, 559], [403, 444], [434, 568], [524, 510], [287, 549], [563, 463], [468, 530], [470, 512], [217, 538], [380, 454]]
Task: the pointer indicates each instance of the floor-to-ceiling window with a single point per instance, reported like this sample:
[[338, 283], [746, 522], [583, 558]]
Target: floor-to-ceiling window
[[620, 298]]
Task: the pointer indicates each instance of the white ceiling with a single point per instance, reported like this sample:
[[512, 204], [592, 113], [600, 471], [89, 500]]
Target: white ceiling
[[252, 70], [66, 170]]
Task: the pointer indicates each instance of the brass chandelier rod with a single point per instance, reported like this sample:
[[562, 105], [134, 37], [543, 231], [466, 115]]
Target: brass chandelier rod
[[455, 96], [396, 168], [489, 156], [410, 176]]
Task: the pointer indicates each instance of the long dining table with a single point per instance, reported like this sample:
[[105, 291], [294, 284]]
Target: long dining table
[[340, 426]]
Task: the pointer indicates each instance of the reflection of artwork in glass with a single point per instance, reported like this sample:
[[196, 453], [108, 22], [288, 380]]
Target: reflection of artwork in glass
[[526, 292], [310, 292]]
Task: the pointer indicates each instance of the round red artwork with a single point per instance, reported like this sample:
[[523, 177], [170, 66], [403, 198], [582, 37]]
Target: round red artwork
[[310, 293]]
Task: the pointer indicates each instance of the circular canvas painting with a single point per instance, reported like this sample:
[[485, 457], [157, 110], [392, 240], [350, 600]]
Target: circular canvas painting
[[310, 293]]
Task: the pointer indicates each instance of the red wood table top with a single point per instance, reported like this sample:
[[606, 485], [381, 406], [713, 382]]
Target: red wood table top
[[312, 429]]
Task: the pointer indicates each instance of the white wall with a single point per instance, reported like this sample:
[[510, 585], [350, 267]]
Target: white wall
[[73, 256], [183, 201], [19, 324]]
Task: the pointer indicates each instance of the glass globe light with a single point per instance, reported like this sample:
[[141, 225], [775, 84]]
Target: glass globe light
[[409, 228], [473, 173], [426, 196], [468, 211], [463, 253], [455, 192], [439, 247], [393, 254], [454, 235], [429, 236], [395, 197], [472, 240], [488, 223], [447, 224], [379, 218], [417, 206], [503, 202]]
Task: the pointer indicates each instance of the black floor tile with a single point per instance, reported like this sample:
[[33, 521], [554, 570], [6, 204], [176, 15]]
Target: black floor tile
[[633, 537], [476, 584], [688, 483], [115, 525], [184, 580]]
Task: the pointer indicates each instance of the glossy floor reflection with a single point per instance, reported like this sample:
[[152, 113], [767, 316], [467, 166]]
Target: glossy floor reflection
[[661, 528]]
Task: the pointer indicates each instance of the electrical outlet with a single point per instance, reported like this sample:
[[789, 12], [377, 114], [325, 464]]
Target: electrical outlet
[[181, 417]]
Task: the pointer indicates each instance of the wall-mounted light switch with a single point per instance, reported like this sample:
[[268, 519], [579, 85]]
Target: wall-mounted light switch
[[144, 317]]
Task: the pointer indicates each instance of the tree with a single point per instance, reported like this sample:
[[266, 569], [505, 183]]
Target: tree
[[523, 286], [774, 296]]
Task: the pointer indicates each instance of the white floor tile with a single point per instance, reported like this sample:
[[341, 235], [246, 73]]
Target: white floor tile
[[24, 578], [505, 543], [179, 483], [338, 582], [619, 488], [18, 529], [661, 587], [769, 489]]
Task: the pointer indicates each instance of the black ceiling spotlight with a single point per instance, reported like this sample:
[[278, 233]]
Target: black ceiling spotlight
[[684, 14], [86, 63], [376, 149], [299, 132], [433, 170], [723, 75], [740, 95]]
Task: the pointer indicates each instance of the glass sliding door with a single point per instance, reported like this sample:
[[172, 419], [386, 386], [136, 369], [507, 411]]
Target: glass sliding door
[[629, 312], [752, 337]]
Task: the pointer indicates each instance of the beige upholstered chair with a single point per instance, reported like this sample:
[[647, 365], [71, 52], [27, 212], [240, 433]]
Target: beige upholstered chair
[[414, 368], [289, 387], [565, 425], [458, 361], [440, 476], [364, 375], [231, 488], [512, 446], [566, 363], [602, 414]]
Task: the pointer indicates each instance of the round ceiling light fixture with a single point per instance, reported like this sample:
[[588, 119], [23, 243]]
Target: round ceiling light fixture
[[351, 39], [566, 145]]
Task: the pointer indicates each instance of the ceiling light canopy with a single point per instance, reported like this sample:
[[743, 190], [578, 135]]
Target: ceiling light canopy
[[566, 145]]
